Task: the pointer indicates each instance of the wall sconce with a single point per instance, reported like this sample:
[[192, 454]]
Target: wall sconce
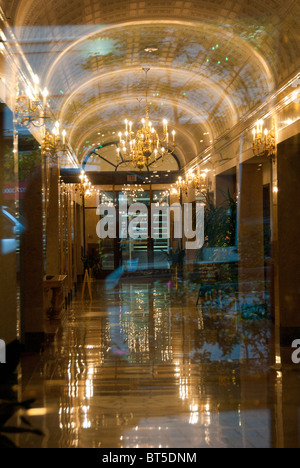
[[264, 140], [29, 107], [54, 143]]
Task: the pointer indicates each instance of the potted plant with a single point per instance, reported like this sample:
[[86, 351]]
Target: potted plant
[[94, 262]]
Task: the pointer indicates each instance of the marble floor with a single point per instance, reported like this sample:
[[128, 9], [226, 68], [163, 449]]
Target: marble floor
[[142, 366]]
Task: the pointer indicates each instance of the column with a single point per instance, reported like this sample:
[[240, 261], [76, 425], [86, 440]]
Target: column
[[8, 264], [32, 262], [288, 242], [251, 237], [53, 246]]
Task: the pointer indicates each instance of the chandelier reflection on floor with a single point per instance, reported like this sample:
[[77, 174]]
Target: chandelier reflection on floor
[[145, 147]]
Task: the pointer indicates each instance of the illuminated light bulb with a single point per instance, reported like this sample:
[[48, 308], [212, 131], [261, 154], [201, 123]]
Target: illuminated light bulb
[[288, 122], [64, 133], [260, 126], [45, 94], [36, 82], [29, 93]]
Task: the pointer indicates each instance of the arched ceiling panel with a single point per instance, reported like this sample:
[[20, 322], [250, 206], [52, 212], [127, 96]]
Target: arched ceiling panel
[[215, 60]]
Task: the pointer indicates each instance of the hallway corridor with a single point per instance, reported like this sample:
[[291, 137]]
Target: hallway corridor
[[141, 366]]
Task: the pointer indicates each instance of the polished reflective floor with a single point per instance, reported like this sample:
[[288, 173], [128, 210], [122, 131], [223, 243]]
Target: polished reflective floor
[[142, 366]]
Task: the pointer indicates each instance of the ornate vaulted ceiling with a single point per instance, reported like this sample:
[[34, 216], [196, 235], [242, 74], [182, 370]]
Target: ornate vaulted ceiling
[[211, 63]]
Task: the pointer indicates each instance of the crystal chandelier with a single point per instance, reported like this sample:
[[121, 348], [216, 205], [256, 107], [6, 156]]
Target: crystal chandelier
[[264, 140], [133, 191], [145, 147], [199, 181], [30, 108], [84, 187]]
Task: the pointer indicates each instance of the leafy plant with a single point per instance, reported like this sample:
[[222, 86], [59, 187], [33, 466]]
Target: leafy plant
[[7, 410], [9, 404], [94, 261], [220, 222]]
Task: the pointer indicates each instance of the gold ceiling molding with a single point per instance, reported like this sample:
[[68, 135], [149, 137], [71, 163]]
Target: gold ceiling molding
[[219, 31], [88, 86]]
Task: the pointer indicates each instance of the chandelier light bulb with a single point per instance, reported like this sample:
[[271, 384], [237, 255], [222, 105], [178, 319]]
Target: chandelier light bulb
[[45, 94], [36, 79], [64, 134], [260, 126], [29, 93], [36, 82]]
